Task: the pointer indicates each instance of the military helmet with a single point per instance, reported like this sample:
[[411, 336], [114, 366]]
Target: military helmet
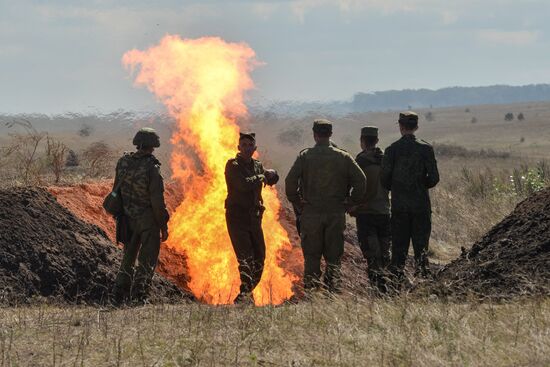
[[322, 126], [146, 137]]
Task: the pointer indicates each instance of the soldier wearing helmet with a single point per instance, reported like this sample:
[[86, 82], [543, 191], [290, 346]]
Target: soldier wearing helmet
[[142, 190]]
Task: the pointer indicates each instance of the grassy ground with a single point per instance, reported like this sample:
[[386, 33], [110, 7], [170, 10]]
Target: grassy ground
[[323, 332], [476, 192]]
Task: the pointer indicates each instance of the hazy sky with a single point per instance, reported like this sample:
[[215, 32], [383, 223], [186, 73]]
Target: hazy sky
[[62, 55]]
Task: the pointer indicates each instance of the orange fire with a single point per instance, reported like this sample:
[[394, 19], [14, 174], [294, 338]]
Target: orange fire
[[202, 84]]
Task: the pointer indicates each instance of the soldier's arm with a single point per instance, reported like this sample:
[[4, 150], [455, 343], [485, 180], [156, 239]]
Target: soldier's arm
[[156, 190], [387, 169], [432, 173], [292, 182], [358, 181], [238, 181]]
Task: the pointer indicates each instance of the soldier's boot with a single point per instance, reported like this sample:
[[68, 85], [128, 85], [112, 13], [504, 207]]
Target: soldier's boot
[[373, 255], [332, 277], [123, 284], [244, 298], [422, 266]]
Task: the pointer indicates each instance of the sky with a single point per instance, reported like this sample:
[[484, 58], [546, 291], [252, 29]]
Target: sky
[[65, 56]]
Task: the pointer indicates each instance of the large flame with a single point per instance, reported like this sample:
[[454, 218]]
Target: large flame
[[202, 83]]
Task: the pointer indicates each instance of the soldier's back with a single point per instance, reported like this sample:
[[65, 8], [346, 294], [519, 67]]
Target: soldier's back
[[134, 171], [413, 172], [325, 175]]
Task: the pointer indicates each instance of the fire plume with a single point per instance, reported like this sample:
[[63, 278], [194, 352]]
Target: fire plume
[[202, 84]]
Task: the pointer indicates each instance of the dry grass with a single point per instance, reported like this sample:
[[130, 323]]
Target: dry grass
[[324, 332], [347, 331]]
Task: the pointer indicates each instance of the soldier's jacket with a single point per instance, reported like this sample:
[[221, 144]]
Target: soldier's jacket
[[321, 177], [244, 185], [376, 199], [409, 169], [142, 188]]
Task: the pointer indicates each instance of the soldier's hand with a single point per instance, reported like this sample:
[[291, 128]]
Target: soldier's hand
[[163, 235], [271, 176]]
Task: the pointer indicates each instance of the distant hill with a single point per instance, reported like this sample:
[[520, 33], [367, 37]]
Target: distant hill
[[415, 98], [449, 97]]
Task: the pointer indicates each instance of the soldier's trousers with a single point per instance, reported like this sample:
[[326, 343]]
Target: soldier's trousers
[[247, 238], [144, 246], [374, 234], [322, 235], [404, 228]]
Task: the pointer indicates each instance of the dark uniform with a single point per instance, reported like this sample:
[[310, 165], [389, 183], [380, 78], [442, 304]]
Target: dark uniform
[[142, 191], [319, 183], [243, 213], [373, 214], [409, 169]]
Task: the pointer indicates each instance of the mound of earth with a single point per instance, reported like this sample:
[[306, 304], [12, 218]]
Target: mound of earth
[[512, 259], [46, 251]]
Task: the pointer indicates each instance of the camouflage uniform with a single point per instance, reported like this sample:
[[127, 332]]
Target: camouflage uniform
[[324, 175], [142, 193], [409, 169], [373, 214], [243, 213]]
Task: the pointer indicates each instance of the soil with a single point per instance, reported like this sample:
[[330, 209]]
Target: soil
[[64, 249], [85, 202], [47, 251], [511, 260]]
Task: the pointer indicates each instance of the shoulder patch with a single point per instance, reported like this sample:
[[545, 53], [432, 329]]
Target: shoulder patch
[[304, 151]]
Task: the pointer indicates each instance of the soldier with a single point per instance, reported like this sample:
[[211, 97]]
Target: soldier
[[297, 210], [409, 169], [244, 208], [373, 214], [142, 191], [324, 175]]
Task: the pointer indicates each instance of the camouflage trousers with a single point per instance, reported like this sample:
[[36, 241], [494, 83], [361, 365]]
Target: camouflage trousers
[[404, 228], [144, 246], [247, 238], [374, 234], [322, 235]]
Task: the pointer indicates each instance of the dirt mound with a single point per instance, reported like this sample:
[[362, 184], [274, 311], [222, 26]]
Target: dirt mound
[[47, 251], [85, 201], [512, 259]]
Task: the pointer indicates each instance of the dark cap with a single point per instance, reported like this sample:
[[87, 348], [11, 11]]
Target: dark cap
[[322, 126], [408, 118], [369, 131], [251, 136]]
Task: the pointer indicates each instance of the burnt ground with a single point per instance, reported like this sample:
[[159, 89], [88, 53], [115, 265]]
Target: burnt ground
[[511, 260], [46, 251]]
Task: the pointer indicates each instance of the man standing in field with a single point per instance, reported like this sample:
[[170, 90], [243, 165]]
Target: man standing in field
[[141, 187], [409, 170], [373, 213], [319, 185], [244, 209]]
